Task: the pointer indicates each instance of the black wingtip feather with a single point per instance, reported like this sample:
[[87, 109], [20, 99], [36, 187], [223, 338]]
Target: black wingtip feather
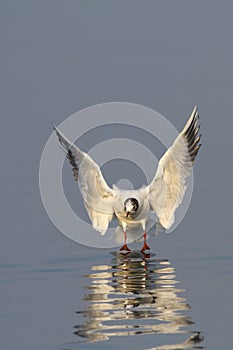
[[193, 137], [69, 155], [53, 126]]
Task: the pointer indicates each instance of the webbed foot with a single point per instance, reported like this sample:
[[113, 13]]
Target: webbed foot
[[125, 248]]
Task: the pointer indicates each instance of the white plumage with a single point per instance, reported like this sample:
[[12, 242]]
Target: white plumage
[[162, 196]]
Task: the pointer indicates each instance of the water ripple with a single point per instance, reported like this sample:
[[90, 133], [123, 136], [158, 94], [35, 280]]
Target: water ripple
[[135, 294]]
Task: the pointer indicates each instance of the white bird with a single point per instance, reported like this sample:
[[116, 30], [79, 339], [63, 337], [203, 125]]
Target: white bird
[[132, 207]]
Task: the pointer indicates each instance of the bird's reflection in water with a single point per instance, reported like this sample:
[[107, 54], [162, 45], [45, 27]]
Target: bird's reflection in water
[[136, 294]]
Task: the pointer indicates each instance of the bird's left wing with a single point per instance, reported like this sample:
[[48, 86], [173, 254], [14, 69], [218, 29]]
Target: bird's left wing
[[97, 195], [168, 187]]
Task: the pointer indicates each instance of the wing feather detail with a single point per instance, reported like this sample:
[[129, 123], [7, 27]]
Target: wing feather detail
[[97, 195], [168, 187]]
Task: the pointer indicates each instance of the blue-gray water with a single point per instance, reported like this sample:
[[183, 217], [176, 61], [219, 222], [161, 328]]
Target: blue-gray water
[[58, 57]]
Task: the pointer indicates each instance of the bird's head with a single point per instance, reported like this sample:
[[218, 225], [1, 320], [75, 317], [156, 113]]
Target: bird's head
[[131, 206]]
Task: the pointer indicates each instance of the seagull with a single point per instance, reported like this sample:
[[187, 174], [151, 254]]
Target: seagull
[[132, 207]]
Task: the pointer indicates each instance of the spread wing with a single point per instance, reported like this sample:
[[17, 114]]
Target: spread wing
[[97, 195], [168, 187]]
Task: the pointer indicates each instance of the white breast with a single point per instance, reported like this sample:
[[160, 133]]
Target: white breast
[[142, 214]]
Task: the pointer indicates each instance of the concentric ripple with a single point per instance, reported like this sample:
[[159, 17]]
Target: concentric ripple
[[136, 294]]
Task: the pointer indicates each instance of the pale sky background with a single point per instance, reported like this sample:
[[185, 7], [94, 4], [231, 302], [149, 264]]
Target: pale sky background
[[58, 57]]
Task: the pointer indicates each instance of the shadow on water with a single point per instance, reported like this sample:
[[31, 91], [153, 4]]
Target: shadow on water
[[135, 294]]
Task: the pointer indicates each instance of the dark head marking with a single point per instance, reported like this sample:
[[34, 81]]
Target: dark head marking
[[131, 206]]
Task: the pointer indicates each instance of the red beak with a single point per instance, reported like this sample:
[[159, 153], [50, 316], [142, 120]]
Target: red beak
[[127, 213]]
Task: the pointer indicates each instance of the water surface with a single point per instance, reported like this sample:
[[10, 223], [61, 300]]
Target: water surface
[[137, 295]]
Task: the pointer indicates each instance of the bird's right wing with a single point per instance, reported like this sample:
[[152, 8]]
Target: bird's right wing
[[98, 196]]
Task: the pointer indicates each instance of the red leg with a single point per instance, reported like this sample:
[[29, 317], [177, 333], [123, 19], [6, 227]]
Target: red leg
[[125, 247], [145, 245]]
